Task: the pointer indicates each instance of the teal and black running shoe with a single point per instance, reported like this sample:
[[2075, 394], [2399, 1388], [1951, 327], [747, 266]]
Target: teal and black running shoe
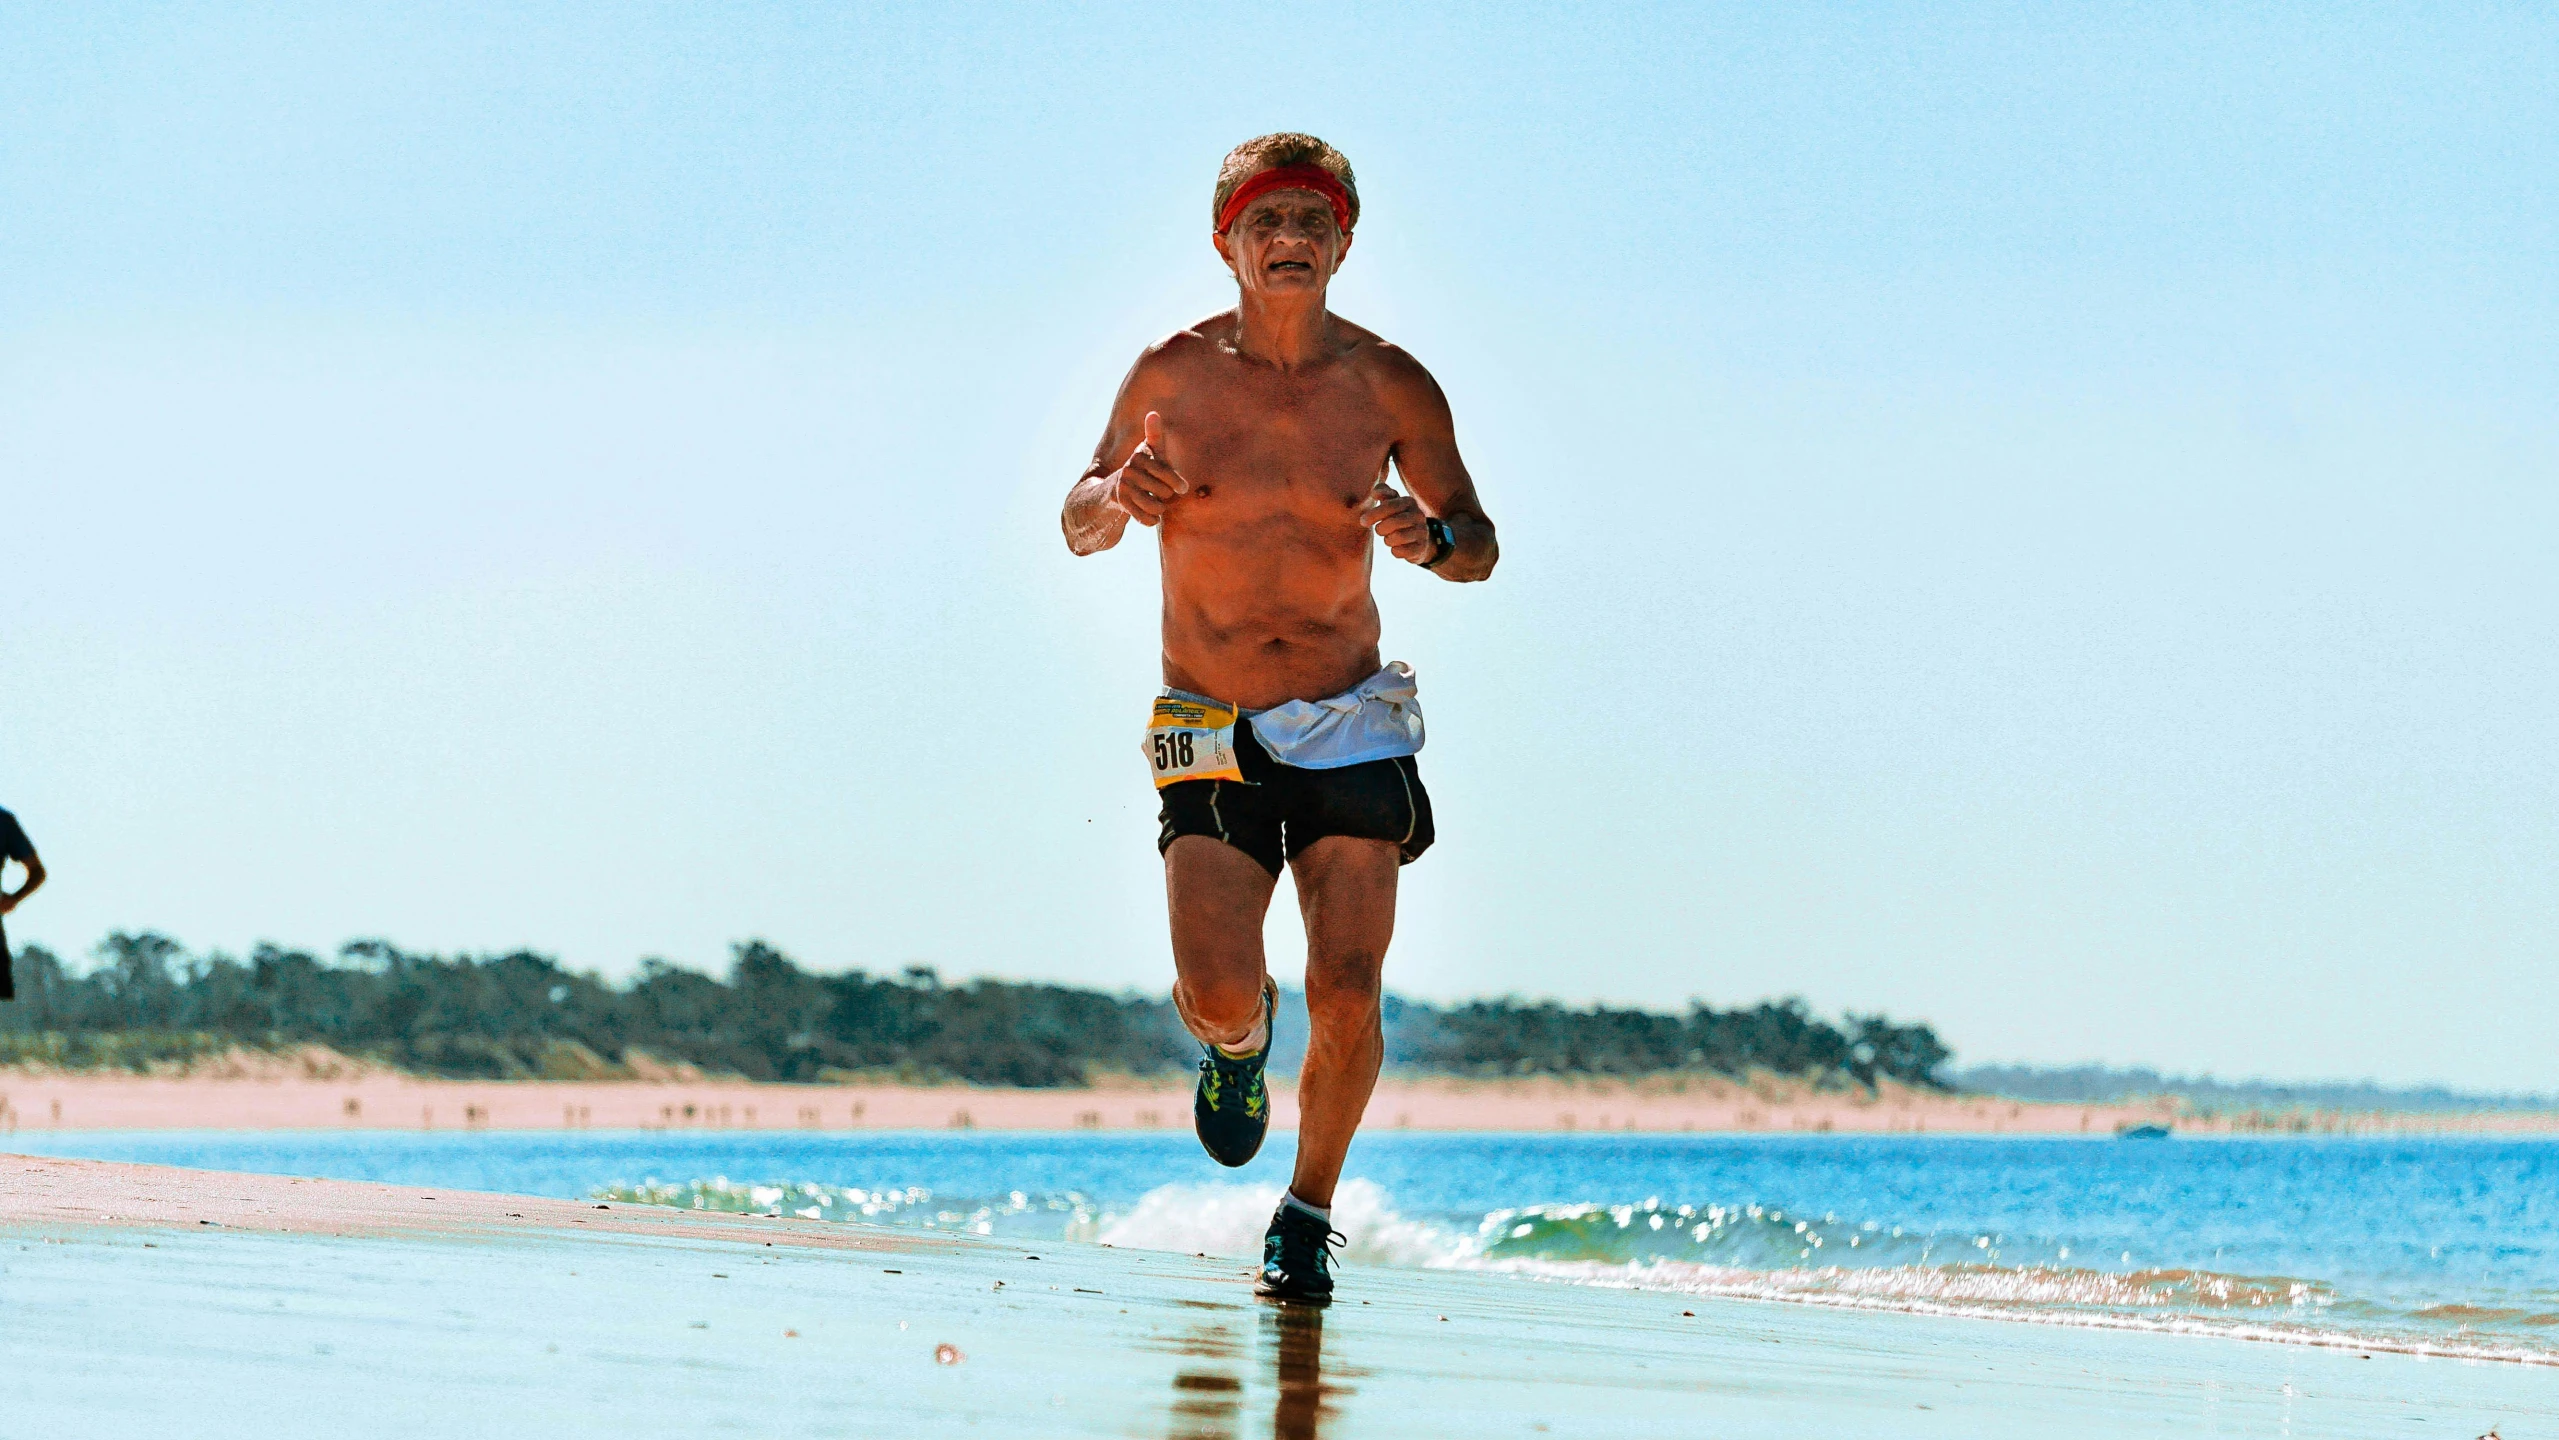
[[1297, 1258], [1232, 1107]]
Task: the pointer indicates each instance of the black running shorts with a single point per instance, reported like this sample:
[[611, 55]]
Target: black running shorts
[[1278, 810]]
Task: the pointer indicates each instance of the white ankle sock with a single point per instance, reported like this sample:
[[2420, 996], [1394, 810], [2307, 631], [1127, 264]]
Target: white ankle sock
[[1252, 1044], [1289, 1200]]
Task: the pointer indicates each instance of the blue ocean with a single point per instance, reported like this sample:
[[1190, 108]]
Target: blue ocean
[[2446, 1246]]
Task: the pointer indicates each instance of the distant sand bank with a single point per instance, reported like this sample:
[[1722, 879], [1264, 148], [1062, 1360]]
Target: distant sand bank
[[264, 1093]]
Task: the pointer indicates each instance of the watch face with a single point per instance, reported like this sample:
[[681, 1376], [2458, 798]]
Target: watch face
[[1443, 540]]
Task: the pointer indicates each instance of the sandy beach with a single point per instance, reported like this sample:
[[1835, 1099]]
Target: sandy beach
[[327, 1092], [275, 1307]]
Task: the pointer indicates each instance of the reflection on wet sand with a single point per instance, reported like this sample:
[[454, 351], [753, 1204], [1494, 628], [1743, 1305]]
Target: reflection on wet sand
[[1208, 1400], [1296, 1333], [1206, 1405]]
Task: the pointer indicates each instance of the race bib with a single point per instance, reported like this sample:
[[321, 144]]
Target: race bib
[[1189, 740]]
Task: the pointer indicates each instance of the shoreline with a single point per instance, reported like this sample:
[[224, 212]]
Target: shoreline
[[275, 1097], [343, 1307]]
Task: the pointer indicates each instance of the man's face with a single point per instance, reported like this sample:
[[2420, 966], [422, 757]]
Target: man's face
[[1284, 243]]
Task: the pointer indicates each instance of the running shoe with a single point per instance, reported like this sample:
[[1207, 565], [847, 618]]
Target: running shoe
[[1231, 1109], [1297, 1257]]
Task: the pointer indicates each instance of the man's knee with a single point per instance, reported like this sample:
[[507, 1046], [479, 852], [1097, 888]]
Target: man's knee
[[1342, 995], [1227, 1004]]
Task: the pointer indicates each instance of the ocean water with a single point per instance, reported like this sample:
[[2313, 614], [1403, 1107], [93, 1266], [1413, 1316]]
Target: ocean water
[[2446, 1246]]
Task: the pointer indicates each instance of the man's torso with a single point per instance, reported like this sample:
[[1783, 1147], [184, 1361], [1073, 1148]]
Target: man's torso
[[1266, 563]]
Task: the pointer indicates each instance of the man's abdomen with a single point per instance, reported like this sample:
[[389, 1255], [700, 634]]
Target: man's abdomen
[[1260, 626], [1266, 661]]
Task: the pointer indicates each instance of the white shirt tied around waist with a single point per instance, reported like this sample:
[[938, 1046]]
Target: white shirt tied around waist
[[1375, 720]]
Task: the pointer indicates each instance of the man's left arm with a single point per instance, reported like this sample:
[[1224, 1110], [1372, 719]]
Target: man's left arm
[[1426, 456]]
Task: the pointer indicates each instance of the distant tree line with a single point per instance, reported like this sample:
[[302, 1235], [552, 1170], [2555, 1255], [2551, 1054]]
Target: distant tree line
[[1506, 1037], [521, 1015], [2103, 1084]]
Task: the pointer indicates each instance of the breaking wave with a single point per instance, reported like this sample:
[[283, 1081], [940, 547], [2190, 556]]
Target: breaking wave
[[1066, 1216], [1749, 1252]]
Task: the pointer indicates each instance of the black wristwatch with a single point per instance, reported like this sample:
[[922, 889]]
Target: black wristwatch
[[1443, 542]]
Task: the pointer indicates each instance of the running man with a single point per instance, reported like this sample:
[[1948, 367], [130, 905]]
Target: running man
[[14, 845], [1256, 444]]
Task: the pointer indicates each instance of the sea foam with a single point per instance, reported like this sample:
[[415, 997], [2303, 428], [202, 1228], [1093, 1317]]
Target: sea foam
[[1743, 1252]]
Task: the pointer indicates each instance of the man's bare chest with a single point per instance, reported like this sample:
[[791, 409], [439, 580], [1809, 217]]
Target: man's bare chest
[[1275, 447]]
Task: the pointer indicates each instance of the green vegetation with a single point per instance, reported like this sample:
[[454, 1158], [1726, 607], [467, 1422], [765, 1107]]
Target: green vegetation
[[2298, 1104], [1505, 1037], [147, 1001]]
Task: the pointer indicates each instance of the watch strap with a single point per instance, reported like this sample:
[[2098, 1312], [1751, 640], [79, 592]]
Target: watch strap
[[1443, 542]]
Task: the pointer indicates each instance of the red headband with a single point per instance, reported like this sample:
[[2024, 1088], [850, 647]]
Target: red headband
[[1289, 177]]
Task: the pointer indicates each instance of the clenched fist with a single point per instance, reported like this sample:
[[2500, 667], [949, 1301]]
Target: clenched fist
[[1148, 483], [1399, 522]]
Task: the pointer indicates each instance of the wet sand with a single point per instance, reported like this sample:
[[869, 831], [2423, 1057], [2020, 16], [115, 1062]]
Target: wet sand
[[148, 1300], [276, 1098]]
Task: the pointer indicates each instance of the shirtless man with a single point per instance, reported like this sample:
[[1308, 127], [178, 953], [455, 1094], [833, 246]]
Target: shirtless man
[[1256, 444], [14, 845]]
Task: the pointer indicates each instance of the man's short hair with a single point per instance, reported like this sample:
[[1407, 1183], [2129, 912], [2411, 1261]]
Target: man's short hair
[[1269, 152]]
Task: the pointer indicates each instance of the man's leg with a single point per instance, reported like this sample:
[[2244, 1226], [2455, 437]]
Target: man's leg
[[1346, 891], [1218, 896]]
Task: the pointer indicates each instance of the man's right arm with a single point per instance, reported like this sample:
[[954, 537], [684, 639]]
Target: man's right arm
[[1128, 478], [14, 845]]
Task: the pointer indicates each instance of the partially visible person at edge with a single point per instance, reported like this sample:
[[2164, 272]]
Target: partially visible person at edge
[[14, 845], [1255, 444]]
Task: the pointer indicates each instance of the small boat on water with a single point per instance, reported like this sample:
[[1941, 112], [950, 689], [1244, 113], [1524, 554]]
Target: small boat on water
[[2143, 1132]]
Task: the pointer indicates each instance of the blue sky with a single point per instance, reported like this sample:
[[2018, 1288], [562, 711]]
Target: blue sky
[[2038, 520]]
